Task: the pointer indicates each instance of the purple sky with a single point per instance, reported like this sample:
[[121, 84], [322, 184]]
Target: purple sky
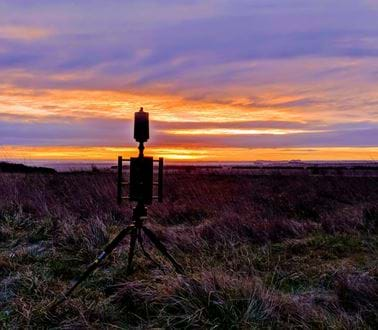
[[72, 69]]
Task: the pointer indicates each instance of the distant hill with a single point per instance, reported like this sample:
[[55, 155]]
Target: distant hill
[[6, 167]]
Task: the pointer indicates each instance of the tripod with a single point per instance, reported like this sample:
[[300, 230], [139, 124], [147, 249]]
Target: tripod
[[141, 191], [135, 232]]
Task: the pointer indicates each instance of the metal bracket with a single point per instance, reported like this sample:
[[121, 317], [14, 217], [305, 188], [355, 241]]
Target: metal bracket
[[121, 183]]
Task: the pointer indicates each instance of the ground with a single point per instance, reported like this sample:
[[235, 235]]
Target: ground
[[258, 252]]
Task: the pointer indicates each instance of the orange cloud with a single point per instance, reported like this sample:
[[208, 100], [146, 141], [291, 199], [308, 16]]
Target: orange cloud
[[60, 104], [81, 104], [23, 33], [231, 131]]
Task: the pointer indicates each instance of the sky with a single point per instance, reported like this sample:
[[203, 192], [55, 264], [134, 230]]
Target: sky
[[233, 80]]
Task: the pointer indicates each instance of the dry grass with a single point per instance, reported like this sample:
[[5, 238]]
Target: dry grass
[[259, 252]]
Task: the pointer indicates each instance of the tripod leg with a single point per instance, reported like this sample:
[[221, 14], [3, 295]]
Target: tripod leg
[[159, 245], [146, 254], [132, 249], [92, 267]]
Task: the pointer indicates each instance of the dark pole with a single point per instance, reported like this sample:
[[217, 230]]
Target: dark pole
[[160, 180], [119, 180], [141, 149]]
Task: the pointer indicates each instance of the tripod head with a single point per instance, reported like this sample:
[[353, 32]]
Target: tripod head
[[141, 178]]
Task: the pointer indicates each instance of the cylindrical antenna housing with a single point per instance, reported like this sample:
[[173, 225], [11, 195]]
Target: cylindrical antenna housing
[[141, 126]]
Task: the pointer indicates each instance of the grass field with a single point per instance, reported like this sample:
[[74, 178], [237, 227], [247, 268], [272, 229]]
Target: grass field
[[259, 252]]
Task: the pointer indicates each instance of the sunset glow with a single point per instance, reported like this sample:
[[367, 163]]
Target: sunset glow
[[238, 80], [227, 131], [177, 154]]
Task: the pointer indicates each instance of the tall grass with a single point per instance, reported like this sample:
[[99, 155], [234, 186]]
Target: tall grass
[[259, 252]]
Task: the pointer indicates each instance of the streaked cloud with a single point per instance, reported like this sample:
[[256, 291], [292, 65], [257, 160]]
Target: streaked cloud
[[236, 131]]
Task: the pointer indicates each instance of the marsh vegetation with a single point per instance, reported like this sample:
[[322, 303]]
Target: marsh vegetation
[[259, 252]]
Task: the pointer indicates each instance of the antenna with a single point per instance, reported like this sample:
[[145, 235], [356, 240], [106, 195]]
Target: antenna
[[141, 187]]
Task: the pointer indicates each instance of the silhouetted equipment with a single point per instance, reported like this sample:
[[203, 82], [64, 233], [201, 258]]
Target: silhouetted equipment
[[141, 184], [141, 126], [141, 187]]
